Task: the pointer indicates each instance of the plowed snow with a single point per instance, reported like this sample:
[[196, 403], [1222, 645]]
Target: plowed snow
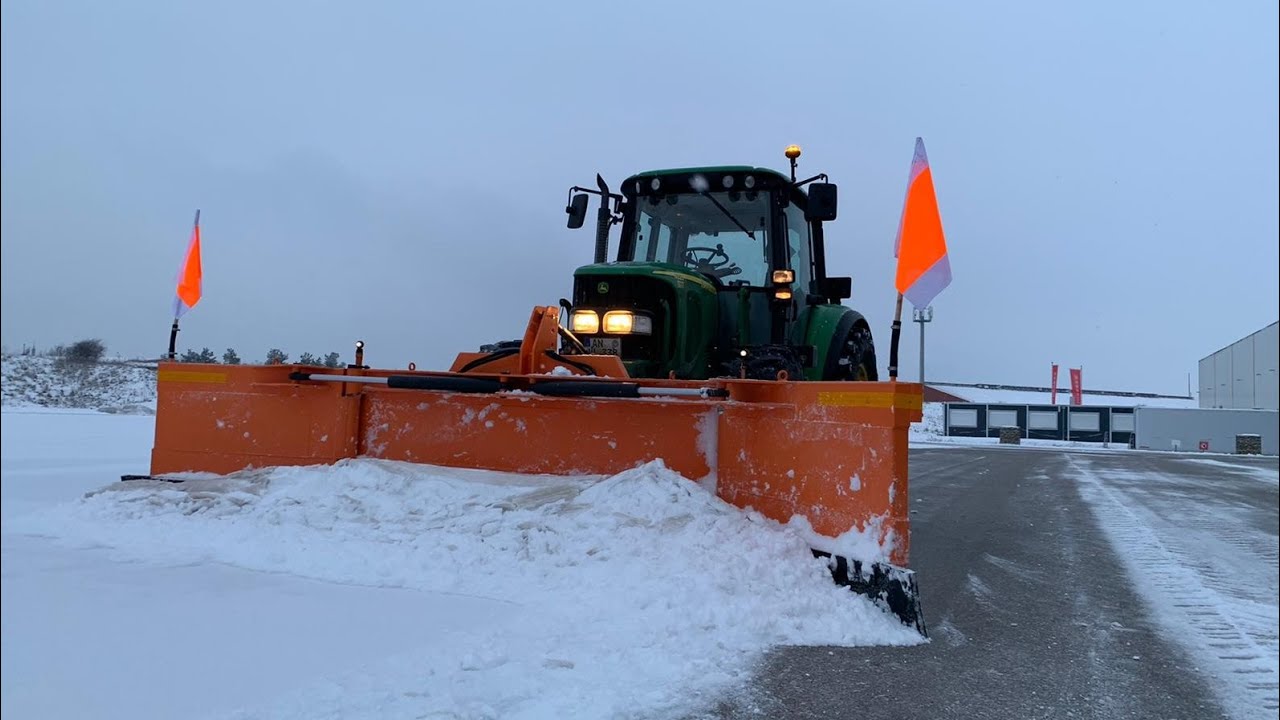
[[638, 595]]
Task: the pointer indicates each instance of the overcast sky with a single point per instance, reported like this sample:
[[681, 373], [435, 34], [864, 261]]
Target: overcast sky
[[397, 172]]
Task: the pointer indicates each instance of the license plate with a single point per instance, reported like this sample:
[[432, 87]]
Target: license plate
[[604, 346]]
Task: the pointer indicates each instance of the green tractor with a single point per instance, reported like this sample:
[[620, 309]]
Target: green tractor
[[720, 271]]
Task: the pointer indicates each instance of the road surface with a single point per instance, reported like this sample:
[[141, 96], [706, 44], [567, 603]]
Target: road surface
[[1034, 614]]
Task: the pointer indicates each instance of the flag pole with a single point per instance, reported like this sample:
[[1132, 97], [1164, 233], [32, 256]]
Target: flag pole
[[173, 338], [893, 340], [173, 331]]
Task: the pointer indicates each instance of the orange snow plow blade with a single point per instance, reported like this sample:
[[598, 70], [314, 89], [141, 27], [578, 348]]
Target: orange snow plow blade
[[832, 453]]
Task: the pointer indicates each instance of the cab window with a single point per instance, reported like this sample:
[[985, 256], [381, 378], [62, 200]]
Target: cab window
[[721, 234], [653, 239], [798, 245]]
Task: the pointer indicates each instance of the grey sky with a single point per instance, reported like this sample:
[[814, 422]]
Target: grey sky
[[1107, 172]]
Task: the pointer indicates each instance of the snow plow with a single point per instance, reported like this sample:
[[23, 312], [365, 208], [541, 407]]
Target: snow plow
[[715, 343]]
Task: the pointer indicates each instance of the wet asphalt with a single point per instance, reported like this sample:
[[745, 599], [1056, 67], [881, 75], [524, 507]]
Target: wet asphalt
[[1030, 611]]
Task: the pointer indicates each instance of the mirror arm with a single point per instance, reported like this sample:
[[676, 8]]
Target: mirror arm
[[616, 216], [617, 197], [802, 183]]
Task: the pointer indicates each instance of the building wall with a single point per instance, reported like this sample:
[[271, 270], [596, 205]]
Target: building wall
[[1185, 429], [1266, 355], [1082, 423], [1243, 375]]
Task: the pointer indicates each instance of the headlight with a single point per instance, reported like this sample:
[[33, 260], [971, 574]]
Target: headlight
[[586, 322], [623, 322]]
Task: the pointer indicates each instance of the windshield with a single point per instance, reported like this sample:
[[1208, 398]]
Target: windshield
[[723, 234]]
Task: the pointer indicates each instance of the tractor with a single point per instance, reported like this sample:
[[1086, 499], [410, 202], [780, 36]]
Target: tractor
[[719, 272]]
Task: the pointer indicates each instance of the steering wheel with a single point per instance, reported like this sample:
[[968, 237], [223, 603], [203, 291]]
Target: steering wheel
[[708, 264]]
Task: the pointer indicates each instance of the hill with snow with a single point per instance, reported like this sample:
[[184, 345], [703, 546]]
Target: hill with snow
[[108, 386]]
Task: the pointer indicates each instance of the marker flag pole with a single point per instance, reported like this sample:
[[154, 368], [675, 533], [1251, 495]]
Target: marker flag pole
[[189, 284], [893, 339]]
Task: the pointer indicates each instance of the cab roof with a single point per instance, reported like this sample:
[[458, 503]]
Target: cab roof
[[709, 169]]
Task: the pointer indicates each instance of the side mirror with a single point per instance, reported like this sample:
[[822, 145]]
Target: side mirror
[[577, 210], [822, 202], [835, 288]]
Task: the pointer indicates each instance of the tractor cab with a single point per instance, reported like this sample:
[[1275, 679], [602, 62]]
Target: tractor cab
[[725, 234], [713, 265]]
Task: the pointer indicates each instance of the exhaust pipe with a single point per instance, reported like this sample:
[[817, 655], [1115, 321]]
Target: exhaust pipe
[[603, 220]]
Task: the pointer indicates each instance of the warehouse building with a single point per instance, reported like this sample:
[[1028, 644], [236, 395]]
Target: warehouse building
[[1242, 375]]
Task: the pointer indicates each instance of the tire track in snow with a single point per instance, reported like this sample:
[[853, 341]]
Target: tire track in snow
[[1197, 599]]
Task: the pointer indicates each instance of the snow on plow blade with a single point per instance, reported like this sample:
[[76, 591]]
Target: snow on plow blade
[[831, 453]]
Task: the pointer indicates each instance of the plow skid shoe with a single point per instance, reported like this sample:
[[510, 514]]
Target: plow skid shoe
[[833, 454]]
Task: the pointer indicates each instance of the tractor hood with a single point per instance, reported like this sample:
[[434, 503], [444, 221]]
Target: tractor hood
[[679, 277], [680, 307]]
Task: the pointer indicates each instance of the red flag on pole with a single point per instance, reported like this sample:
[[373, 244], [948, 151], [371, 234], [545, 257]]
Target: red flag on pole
[[190, 276], [1053, 386], [1077, 392], [921, 247]]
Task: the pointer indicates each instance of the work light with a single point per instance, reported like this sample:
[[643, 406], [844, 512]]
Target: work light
[[586, 322], [624, 322]]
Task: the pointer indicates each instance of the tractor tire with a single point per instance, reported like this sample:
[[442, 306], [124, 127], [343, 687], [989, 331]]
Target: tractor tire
[[857, 359]]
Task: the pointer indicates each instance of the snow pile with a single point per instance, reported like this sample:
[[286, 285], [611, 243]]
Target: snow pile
[[639, 594], [930, 428], [115, 387]]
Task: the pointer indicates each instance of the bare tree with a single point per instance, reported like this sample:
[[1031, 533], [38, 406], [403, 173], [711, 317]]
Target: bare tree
[[85, 351]]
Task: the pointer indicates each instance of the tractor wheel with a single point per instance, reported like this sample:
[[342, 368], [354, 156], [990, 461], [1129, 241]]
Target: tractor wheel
[[857, 359]]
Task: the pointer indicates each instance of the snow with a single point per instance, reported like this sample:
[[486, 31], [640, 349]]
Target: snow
[[1260, 474], [1205, 563], [944, 441], [118, 387], [872, 543], [380, 589], [932, 423]]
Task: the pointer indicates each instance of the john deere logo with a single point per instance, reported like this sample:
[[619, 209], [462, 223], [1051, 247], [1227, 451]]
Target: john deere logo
[[602, 288]]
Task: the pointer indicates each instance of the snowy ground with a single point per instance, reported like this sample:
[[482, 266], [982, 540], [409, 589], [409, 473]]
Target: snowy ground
[[377, 589], [116, 387], [382, 590], [1202, 547]]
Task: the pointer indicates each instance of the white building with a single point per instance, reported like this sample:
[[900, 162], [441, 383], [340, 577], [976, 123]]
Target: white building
[[1242, 375]]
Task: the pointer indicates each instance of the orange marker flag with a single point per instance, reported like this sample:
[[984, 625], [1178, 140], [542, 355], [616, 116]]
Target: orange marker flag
[[921, 248], [190, 277]]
